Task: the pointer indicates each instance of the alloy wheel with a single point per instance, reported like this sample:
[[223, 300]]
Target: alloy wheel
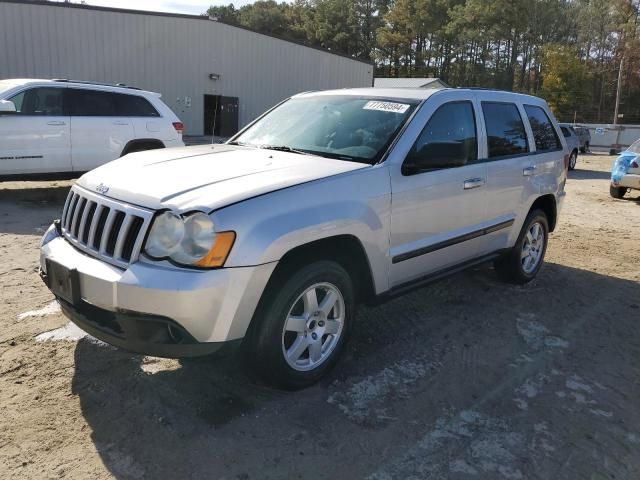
[[532, 248], [313, 327]]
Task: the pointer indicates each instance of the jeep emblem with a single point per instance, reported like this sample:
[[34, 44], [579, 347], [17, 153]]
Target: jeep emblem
[[102, 188]]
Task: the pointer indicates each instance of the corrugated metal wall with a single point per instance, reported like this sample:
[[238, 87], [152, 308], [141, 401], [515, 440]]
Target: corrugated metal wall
[[168, 54]]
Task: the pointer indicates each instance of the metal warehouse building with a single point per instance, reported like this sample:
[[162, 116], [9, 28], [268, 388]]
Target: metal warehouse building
[[203, 68]]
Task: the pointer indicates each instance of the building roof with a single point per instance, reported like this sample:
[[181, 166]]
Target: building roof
[[179, 15], [409, 83]]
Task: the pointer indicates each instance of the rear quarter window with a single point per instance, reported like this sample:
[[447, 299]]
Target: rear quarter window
[[506, 135], [135, 106], [544, 133]]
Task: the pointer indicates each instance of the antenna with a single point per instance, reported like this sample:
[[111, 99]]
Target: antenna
[[215, 114]]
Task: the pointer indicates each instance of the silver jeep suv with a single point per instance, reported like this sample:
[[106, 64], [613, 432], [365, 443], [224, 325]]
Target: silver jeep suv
[[329, 199]]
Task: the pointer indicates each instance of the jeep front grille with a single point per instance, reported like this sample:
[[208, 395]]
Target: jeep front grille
[[104, 228]]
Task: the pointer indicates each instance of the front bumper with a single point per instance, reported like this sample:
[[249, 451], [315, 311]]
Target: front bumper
[[140, 333], [630, 180], [204, 306]]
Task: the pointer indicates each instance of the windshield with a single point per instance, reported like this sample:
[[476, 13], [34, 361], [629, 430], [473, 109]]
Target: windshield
[[345, 127], [6, 85]]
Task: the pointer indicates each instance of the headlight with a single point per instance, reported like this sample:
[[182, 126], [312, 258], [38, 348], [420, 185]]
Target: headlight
[[165, 236], [49, 235], [189, 240]]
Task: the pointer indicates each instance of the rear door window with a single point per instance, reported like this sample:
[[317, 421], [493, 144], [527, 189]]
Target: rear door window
[[43, 101], [92, 103], [506, 135], [543, 132]]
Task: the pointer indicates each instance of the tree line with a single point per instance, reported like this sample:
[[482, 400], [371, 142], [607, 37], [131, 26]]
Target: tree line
[[566, 51]]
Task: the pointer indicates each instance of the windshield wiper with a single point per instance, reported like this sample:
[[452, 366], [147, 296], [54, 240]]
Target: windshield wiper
[[283, 148]]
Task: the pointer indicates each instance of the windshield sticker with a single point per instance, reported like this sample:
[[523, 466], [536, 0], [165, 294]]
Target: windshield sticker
[[386, 107]]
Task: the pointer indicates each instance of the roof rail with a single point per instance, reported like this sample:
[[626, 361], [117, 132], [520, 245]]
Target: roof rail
[[485, 89], [84, 82]]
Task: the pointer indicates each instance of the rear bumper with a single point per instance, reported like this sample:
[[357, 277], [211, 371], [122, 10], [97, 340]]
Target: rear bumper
[[560, 198], [630, 180]]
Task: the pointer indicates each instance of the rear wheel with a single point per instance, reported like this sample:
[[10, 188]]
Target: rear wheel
[[573, 159], [303, 325], [523, 262], [617, 192]]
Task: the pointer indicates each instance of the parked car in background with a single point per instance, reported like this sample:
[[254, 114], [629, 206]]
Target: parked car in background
[[330, 199], [584, 137], [63, 128], [573, 143], [625, 174]]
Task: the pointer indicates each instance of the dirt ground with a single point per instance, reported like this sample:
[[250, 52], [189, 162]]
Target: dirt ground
[[466, 378]]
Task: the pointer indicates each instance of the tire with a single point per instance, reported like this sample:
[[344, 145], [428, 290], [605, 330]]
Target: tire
[[294, 343], [513, 267], [573, 159], [617, 192]]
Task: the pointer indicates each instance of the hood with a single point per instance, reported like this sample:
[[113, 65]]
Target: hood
[[206, 176]]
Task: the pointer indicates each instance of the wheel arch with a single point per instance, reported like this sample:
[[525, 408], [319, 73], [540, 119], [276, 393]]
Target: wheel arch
[[547, 203], [141, 144], [345, 249]]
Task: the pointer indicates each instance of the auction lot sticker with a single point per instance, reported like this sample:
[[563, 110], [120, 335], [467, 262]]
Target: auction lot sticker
[[386, 107]]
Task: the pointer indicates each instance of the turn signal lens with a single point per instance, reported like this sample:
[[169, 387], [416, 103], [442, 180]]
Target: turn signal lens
[[219, 252]]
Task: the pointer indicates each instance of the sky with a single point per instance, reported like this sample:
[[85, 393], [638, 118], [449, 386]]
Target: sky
[[193, 7]]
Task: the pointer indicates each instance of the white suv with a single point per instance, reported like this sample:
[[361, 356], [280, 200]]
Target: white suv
[[62, 127], [329, 199]]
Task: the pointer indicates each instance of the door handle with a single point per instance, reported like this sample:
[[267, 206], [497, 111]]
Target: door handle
[[120, 122], [473, 183], [56, 123], [529, 171]]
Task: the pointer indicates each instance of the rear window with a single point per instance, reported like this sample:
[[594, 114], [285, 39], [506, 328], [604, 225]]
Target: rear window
[[543, 132], [94, 103], [565, 132], [505, 131]]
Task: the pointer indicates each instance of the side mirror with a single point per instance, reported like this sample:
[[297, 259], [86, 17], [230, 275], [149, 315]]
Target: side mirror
[[435, 156], [7, 106]]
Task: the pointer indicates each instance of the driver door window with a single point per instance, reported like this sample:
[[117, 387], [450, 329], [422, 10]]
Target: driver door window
[[40, 102], [448, 140]]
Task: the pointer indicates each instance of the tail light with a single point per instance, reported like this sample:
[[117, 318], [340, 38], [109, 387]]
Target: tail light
[[566, 162], [179, 126]]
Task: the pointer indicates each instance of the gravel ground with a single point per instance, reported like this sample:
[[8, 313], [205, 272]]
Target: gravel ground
[[466, 378]]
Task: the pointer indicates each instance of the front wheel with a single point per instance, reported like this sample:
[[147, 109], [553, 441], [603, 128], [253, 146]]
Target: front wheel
[[617, 192], [523, 262], [303, 324]]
